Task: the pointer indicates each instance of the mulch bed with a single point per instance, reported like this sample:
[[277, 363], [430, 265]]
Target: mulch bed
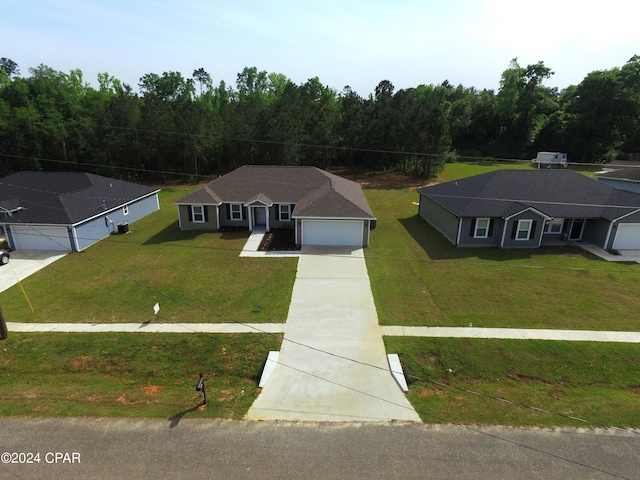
[[278, 240]]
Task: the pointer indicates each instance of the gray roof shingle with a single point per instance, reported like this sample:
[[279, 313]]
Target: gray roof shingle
[[64, 198], [315, 192], [556, 193]]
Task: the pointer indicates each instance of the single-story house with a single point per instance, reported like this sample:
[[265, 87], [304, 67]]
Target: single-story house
[[322, 208], [529, 208], [624, 178], [68, 211]]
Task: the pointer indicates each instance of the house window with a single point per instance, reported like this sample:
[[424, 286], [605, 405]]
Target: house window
[[235, 211], [284, 212], [555, 225], [125, 210], [523, 231], [198, 213], [482, 228]]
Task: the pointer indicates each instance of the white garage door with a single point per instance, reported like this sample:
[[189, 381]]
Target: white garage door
[[332, 232], [627, 237], [40, 238]]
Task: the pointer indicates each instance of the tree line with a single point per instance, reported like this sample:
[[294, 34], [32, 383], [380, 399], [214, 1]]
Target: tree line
[[51, 120]]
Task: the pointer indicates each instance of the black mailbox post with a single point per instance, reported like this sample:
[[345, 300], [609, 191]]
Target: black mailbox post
[[200, 388]]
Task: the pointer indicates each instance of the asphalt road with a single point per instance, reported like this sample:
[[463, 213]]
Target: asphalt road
[[101, 448]]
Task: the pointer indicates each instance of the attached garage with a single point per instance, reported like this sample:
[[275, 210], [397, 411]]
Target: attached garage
[[627, 237], [37, 237], [332, 232]]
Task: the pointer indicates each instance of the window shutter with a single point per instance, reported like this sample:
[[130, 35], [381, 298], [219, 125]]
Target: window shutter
[[490, 233], [205, 209], [228, 211], [472, 232], [190, 210], [513, 230], [532, 232]]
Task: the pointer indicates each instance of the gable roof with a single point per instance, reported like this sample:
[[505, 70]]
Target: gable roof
[[627, 174], [556, 193], [64, 198], [315, 192]]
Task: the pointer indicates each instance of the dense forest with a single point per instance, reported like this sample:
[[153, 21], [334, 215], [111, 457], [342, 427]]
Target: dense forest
[[173, 125]]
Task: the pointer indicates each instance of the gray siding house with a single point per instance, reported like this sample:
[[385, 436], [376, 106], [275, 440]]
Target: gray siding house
[[321, 208], [530, 208], [624, 179], [68, 211]]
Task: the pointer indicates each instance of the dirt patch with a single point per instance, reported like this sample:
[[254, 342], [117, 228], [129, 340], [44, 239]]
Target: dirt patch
[[151, 390], [123, 399], [226, 395], [385, 179]]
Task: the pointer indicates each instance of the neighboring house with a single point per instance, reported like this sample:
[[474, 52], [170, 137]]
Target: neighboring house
[[528, 208], [68, 211], [322, 208], [624, 179]]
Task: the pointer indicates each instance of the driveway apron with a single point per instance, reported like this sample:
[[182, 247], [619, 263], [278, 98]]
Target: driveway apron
[[332, 364]]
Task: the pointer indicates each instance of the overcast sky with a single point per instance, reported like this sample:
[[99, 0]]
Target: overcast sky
[[343, 42]]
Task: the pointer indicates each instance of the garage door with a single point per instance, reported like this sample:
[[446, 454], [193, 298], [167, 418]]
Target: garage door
[[332, 232], [627, 237], [40, 238]]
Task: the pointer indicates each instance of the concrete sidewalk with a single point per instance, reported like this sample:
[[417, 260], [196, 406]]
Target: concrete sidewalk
[[513, 333], [388, 331], [332, 364]]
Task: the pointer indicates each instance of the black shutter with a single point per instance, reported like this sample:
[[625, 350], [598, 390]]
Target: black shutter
[[513, 230], [490, 233], [472, 232], [228, 211], [190, 210], [533, 230], [205, 209]]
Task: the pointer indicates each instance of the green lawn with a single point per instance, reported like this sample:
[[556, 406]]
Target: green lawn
[[195, 276], [131, 375], [598, 382], [419, 278]]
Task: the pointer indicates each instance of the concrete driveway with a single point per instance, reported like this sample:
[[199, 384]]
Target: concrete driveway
[[633, 255], [24, 263], [332, 364]]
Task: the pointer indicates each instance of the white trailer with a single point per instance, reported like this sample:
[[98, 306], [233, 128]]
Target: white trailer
[[550, 159]]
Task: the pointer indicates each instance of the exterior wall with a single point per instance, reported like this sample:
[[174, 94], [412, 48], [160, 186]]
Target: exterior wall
[[273, 217], [635, 218], [366, 227], [595, 231], [442, 220], [225, 221], [101, 227], [621, 184], [468, 228], [185, 224], [534, 241]]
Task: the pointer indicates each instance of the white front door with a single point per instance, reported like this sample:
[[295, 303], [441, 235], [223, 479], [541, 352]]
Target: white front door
[[260, 216]]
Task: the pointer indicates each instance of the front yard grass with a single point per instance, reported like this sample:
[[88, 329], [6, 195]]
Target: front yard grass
[[194, 276], [419, 279], [131, 375], [598, 382]]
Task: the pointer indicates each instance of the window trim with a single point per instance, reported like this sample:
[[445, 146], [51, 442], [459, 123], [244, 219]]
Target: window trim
[[485, 228], [238, 215], [198, 217], [519, 229], [281, 217], [550, 224], [125, 210]]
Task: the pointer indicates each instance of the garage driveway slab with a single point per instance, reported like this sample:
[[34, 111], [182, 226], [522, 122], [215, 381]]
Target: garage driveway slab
[[332, 364], [24, 263]]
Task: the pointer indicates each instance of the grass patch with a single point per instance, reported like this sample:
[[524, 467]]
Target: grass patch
[[599, 382], [419, 278], [131, 375], [195, 276], [454, 171]]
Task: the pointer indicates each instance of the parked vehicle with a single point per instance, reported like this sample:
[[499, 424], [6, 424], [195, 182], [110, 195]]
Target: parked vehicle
[[550, 159], [4, 256]]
